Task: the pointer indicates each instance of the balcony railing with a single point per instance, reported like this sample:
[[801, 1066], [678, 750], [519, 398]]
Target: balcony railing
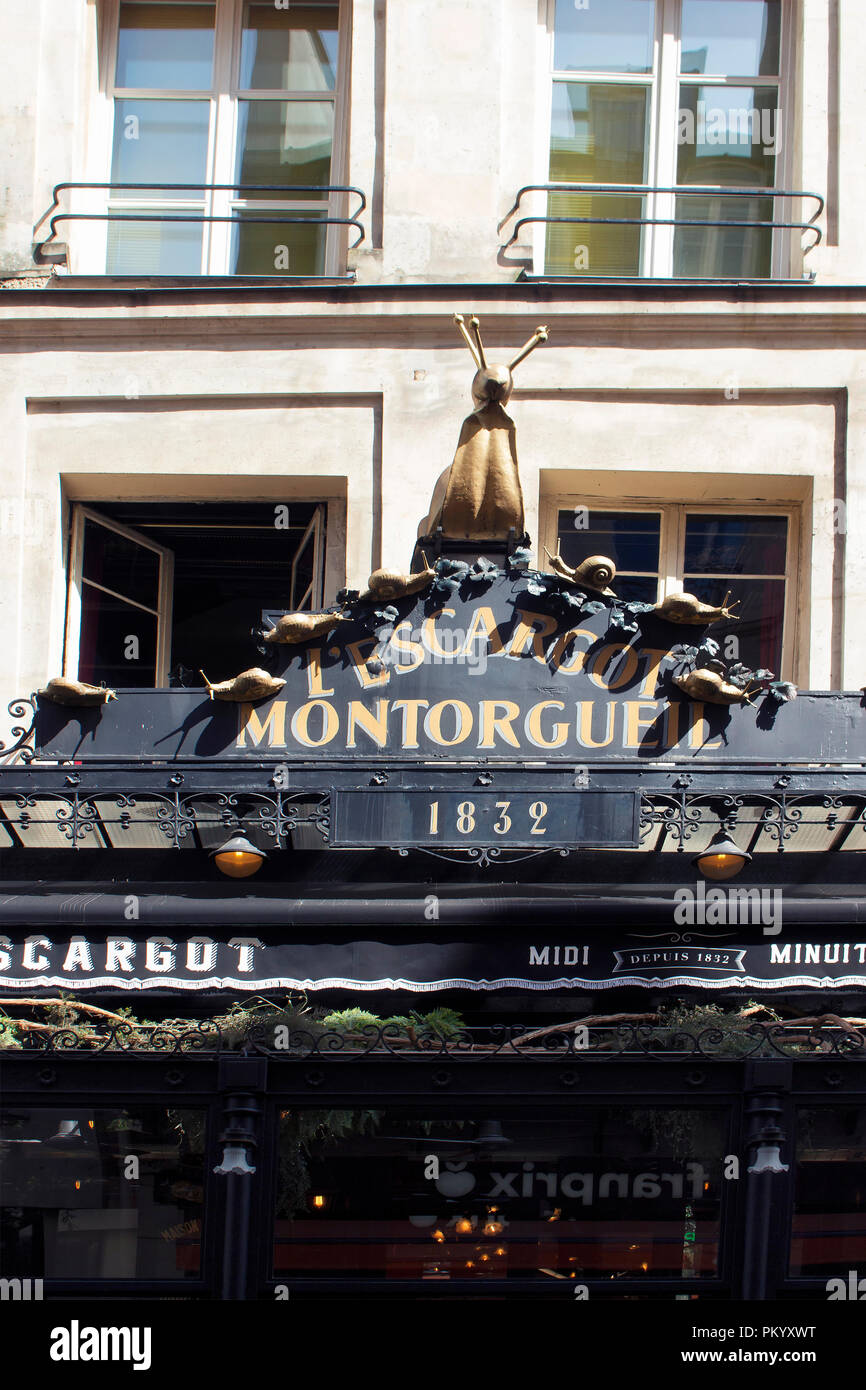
[[48, 251], [643, 191]]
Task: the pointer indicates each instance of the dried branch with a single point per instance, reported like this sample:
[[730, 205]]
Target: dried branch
[[592, 1020], [68, 1004]]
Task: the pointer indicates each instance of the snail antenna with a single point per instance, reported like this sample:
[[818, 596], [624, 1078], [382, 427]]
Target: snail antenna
[[461, 324], [539, 336], [476, 329]]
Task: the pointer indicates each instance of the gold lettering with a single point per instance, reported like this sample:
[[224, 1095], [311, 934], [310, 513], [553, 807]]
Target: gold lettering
[[374, 725], [635, 722], [527, 629], [650, 680], [314, 673], [700, 740], [301, 719], [603, 659], [584, 735], [274, 726], [429, 636], [360, 663], [533, 726], [410, 710], [579, 658], [405, 644], [493, 723], [483, 625], [463, 721], [672, 723]]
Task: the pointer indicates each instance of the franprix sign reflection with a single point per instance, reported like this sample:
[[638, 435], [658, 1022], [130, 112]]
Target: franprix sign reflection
[[465, 678]]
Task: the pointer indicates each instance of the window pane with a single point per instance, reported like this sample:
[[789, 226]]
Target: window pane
[[735, 544], [120, 564], [630, 539], [168, 47], [594, 247], [731, 38], [733, 252], [158, 139], [285, 142], [728, 136], [598, 133], [291, 49], [615, 36], [600, 1192], [274, 248], [68, 1211], [154, 248], [761, 612], [828, 1236], [107, 624]]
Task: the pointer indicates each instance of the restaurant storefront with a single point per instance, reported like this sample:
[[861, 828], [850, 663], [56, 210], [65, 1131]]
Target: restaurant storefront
[[494, 934]]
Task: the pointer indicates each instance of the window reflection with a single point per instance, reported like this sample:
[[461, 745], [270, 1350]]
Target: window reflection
[[828, 1236], [600, 1193], [77, 1205]]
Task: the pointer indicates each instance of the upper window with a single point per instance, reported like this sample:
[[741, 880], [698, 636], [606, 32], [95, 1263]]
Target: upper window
[[239, 105], [708, 552], [666, 95]]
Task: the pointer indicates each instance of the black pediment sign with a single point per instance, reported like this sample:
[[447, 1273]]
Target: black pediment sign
[[495, 668]]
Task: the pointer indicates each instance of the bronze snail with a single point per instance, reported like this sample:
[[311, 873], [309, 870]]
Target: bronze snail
[[251, 685], [66, 692], [709, 686], [685, 608], [596, 572], [390, 584], [299, 627]]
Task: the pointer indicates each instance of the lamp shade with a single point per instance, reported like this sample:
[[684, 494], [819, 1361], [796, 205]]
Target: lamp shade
[[238, 857], [722, 857]]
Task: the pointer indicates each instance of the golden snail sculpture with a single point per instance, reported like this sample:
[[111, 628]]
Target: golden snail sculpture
[[712, 688], [66, 692], [298, 627], [596, 572], [251, 685], [391, 584], [685, 608]]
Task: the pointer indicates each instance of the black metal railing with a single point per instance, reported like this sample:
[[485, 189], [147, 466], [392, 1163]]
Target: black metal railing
[[677, 190], [55, 215]]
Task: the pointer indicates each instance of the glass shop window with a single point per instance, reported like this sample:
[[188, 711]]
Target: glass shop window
[[159, 592], [828, 1235], [677, 548], [665, 93], [68, 1210], [598, 1193], [210, 95]]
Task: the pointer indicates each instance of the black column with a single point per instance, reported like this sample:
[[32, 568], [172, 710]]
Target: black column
[[242, 1083], [767, 1178]]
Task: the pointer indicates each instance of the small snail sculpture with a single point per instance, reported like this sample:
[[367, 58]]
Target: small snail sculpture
[[65, 692], [709, 686], [390, 584], [251, 685], [299, 627], [596, 572], [685, 608]]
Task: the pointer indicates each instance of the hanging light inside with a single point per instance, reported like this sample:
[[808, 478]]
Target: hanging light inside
[[722, 857], [463, 1226], [238, 857]]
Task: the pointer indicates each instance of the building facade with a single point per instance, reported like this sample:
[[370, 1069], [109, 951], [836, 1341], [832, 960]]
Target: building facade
[[234, 241]]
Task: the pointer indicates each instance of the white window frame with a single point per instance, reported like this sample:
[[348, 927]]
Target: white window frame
[[664, 80], [89, 240], [672, 546], [76, 581]]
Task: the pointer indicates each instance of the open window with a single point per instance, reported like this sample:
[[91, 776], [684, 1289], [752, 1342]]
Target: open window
[[159, 591]]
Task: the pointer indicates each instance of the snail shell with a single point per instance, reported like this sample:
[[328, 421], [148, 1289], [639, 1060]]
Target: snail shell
[[596, 572], [711, 687], [250, 685], [388, 584], [298, 627], [65, 692], [685, 608]]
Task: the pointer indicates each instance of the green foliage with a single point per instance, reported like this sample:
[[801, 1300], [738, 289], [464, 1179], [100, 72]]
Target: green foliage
[[10, 1035]]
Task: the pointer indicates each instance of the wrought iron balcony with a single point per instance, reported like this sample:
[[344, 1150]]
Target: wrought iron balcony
[[596, 192], [49, 250]]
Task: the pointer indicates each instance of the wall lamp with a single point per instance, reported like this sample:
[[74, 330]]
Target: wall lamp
[[238, 857], [722, 857]]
